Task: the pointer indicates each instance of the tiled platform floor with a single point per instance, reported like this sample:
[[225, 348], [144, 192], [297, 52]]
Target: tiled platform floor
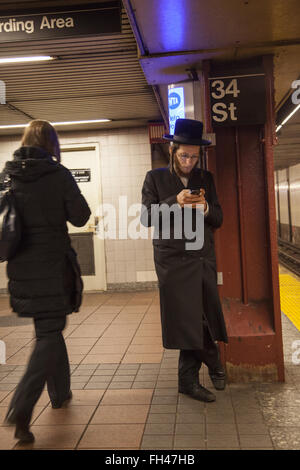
[[125, 387]]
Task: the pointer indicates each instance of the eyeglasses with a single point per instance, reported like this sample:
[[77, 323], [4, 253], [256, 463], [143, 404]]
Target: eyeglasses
[[185, 156]]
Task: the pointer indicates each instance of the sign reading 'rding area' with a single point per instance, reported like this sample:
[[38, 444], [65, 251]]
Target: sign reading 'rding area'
[[104, 18]]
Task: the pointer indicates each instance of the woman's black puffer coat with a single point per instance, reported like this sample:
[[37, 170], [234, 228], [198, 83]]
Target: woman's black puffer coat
[[44, 276]]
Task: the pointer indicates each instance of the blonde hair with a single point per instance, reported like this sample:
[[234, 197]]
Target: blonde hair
[[42, 134]]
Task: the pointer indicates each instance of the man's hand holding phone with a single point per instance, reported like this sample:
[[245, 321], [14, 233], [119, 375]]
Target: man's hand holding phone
[[192, 198]]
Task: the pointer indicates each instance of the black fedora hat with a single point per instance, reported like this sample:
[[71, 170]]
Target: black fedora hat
[[189, 132]]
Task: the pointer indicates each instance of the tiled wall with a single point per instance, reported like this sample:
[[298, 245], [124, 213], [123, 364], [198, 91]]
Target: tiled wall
[[125, 157]]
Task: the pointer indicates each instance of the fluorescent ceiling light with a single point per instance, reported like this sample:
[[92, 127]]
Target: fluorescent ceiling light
[[63, 123], [10, 60], [12, 126], [70, 123], [288, 117]]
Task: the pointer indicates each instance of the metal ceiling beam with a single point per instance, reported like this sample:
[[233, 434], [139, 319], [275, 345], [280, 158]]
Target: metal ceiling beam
[[135, 28], [144, 52], [250, 45]]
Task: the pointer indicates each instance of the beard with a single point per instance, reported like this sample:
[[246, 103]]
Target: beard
[[178, 169]]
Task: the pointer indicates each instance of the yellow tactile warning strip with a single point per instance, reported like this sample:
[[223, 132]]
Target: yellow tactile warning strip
[[290, 298]]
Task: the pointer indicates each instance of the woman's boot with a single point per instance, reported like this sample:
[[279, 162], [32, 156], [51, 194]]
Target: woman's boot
[[22, 426]]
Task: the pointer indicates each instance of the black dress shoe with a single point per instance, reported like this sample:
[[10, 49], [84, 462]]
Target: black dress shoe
[[197, 392], [57, 405], [23, 434], [218, 378]]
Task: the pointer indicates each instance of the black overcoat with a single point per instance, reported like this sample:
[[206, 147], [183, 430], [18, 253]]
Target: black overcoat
[[187, 278], [44, 275]]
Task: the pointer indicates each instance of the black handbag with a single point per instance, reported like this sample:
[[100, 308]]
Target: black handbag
[[10, 222]]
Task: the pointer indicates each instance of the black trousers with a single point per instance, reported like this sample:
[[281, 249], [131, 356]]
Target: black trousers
[[190, 361], [49, 364]]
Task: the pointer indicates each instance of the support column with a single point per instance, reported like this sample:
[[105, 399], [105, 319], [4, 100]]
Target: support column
[[246, 244]]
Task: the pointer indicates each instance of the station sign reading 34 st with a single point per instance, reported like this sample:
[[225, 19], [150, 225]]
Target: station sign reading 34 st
[[238, 100]]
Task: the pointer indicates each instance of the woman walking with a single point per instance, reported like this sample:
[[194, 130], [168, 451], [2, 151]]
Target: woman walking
[[44, 276]]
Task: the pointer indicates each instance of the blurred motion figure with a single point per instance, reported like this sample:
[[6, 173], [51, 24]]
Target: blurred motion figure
[[44, 275]]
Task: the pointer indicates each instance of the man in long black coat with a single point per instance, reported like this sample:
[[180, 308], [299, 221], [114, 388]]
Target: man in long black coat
[[191, 313]]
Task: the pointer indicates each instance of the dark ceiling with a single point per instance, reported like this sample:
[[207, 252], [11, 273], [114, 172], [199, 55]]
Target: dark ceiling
[[97, 76], [118, 76], [176, 35]]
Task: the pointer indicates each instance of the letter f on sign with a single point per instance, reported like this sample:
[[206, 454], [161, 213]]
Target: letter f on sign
[[2, 92]]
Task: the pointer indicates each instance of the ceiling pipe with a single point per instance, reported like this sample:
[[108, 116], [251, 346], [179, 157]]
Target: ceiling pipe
[[161, 106], [14, 108]]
